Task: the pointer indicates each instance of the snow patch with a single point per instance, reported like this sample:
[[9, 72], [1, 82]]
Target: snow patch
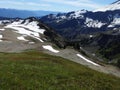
[[2, 29], [17, 22], [26, 22], [50, 48], [116, 21], [1, 36], [4, 21], [111, 26], [31, 26], [78, 14], [93, 23], [87, 60], [91, 36], [24, 31], [63, 17], [21, 38], [0, 22], [31, 42]]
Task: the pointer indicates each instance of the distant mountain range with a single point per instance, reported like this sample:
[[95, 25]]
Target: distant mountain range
[[13, 13], [71, 25]]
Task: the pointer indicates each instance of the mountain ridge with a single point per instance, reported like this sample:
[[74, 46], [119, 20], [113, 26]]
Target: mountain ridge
[[13, 13], [29, 30], [83, 22]]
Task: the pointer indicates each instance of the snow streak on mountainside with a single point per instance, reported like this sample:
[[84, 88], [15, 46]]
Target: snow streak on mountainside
[[111, 7]]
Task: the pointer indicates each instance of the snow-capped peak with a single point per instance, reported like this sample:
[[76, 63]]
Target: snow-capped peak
[[111, 7], [70, 15]]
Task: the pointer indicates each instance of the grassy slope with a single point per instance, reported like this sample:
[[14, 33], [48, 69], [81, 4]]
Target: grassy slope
[[37, 71]]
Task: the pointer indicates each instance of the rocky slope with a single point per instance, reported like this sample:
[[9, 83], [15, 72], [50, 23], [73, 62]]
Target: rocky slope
[[19, 35], [29, 31]]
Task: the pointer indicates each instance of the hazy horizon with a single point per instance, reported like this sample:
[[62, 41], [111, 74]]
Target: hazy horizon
[[58, 5]]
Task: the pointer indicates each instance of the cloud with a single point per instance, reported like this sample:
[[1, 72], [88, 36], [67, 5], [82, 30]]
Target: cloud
[[76, 3], [54, 5], [22, 2], [37, 4]]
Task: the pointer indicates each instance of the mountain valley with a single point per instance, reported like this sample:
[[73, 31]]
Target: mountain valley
[[70, 51]]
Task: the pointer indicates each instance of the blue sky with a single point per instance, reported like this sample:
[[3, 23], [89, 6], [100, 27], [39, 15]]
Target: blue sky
[[54, 5]]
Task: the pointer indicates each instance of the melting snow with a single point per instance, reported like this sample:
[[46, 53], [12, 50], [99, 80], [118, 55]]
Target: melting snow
[[31, 42], [116, 21], [0, 22], [31, 26], [50, 48], [1, 36], [87, 60], [111, 26], [23, 31], [29, 30], [114, 6], [93, 23], [21, 38], [17, 22], [26, 22], [91, 36], [78, 14], [2, 29], [5, 21]]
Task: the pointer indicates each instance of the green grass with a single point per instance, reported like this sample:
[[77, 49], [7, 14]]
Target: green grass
[[32, 70]]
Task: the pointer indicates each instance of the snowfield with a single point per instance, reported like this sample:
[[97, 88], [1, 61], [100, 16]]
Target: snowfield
[[2, 29], [91, 36], [94, 23], [78, 14], [29, 25], [116, 21], [87, 60], [1, 36], [31, 42], [21, 38], [29, 29], [50, 48]]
